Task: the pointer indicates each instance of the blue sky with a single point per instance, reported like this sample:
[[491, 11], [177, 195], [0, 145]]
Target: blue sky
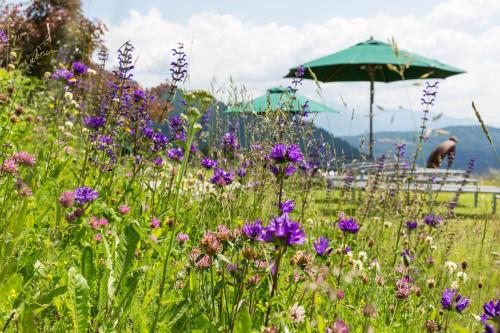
[[259, 11]]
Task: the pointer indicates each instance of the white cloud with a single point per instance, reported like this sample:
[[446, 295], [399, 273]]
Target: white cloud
[[462, 33]]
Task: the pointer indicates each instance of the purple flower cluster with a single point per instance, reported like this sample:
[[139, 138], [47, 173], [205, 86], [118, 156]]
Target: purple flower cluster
[[230, 142], [491, 313], [283, 154], [83, 194], [321, 246], [208, 163], [433, 220], [287, 207], [254, 230], [284, 159], [283, 230], [4, 39], [221, 177], [176, 154], [79, 68], [447, 300], [348, 224], [176, 127], [411, 225]]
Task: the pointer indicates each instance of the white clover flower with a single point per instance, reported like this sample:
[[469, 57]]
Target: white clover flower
[[375, 264], [387, 224], [358, 264], [428, 240], [68, 95], [91, 71], [450, 266], [454, 285], [462, 276], [362, 255], [297, 313], [68, 124], [433, 247]]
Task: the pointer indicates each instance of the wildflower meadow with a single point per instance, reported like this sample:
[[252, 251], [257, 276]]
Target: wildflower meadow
[[126, 209]]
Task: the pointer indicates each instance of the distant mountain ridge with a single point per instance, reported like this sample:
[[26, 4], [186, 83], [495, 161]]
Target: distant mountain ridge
[[385, 120], [472, 143]]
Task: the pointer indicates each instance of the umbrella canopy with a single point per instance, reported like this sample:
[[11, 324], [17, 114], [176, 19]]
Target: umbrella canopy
[[372, 61], [280, 98]]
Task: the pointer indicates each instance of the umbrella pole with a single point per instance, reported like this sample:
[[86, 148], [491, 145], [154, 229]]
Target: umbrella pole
[[371, 142]]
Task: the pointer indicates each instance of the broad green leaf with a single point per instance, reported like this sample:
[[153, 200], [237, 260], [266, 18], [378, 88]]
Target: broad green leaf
[[26, 323], [79, 290], [243, 321], [125, 252], [88, 269]]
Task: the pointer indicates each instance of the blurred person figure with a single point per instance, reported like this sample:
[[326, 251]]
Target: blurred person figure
[[446, 148]]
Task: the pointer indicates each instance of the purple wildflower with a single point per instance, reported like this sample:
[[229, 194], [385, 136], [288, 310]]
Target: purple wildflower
[[321, 246], [62, 73], [84, 194], [447, 298], [283, 154], [411, 225], [155, 223], [254, 230], [208, 163], [230, 142], [4, 39], [176, 154], [287, 207], [461, 303], [94, 122], [491, 310], [285, 231], [348, 224], [221, 177], [79, 68], [433, 220]]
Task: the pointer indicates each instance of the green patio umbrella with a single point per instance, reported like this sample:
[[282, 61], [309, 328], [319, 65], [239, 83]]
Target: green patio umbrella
[[280, 98], [372, 61]]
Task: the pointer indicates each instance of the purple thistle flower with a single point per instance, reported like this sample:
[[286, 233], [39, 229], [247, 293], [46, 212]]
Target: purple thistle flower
[[287, 207], [461, 303], [208, 163], [254, 230], [79, 68], [411, 225], [348, 224], [84, 194], [284, 231], [176, 154], [321, 246], [222, 178], [433, 220], [447, 298]]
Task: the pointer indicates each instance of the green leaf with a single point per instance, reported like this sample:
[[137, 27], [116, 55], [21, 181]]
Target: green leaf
[[125, 252], [88, 269], [79, 290], [243, 321], [26, 323]]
